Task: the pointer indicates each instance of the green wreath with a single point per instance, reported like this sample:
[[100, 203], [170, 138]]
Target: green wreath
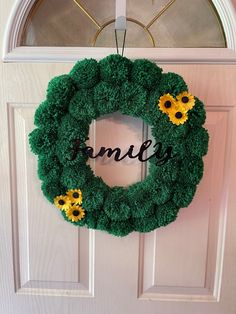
[[138, 89]]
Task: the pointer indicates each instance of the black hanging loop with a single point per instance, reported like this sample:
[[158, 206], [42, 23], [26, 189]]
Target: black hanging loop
[[120, 24]]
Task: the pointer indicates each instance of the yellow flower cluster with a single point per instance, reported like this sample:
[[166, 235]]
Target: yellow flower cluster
[[71, 203], [177, 109]]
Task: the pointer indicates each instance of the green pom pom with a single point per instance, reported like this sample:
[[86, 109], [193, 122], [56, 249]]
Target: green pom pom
[[71, 128], [197, 141], [172, 83], [52, 188], [69, 133], [107, 98], [145, 225], [142, 211], [146, 73], [161, 192], [133, 99], [95, 195], [116, 205], [120, 228], [103, 222], [85, 73], [48, 166], [197, 115], [166, 213], [92, 219], [115, 69], [152, 112], [65, 153], [183, 194], [60, 90], [76, 176], [169, 133], [47, 113], [82, 105], [191, 171], [167, 172], [140, 201], [42, 140]]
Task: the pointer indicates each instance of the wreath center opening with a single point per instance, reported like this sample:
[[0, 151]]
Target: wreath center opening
[[121, 142]]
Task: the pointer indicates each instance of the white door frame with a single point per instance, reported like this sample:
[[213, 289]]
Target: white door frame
[[13, 53]]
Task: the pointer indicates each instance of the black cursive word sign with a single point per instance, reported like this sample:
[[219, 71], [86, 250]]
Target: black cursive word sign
[[162, 155]]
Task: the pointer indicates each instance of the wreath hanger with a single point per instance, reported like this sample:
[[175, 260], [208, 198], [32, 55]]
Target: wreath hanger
[[120, 23]]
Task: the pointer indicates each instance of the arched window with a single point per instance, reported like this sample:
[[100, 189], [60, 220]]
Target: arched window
[[151, 23]]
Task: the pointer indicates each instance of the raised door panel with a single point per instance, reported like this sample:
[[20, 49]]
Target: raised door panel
[[50, 257]]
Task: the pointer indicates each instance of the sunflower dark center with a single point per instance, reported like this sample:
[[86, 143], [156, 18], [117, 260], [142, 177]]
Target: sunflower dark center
[[167, 104], [185, 99], [178, 115], [75, 213], [61, 202], [75, 195]]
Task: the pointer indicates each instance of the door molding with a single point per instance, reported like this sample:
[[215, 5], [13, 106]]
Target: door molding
[[12, 52]]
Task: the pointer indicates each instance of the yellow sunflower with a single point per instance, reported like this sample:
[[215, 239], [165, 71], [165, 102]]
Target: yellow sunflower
[[166, 103], [75, 213], [178, 115], [62, 201], [75, 196], [186, 99]]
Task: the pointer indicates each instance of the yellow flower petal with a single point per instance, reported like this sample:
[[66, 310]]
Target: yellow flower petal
[[186, 99], [75, 213], [166, 103], [75, 196], [178, 115], [62, 201]]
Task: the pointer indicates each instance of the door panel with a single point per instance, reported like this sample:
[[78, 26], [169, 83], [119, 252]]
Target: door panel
[[196, 272], [49, 256], [50, 266]]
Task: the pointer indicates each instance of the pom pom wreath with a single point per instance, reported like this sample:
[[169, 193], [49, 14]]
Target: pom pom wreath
[[137, 89]]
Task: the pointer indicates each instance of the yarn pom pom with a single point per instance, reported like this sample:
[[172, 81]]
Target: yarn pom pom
[[85, 74]]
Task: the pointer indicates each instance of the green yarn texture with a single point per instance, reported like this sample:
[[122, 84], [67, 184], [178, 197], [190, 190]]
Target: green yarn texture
[[93, 89]]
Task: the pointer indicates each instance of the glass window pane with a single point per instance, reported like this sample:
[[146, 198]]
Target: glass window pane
[[179, 23]]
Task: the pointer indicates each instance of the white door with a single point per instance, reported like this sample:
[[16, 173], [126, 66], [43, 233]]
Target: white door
[[49, 266]]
